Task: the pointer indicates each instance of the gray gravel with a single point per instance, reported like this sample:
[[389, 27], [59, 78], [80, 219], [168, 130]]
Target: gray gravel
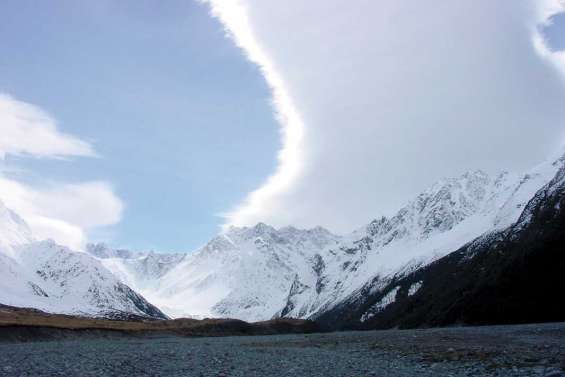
[[531, 350]]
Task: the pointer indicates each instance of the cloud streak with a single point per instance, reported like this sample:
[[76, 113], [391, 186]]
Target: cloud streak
[[28, 130], [379, 100], [234, 16]]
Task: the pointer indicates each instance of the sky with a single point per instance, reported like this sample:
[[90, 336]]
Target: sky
[[151, 126], [181, 124]]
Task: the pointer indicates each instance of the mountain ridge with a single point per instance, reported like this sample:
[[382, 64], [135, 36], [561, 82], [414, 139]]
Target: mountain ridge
[[505, 277], [303, 273], [261, 272]]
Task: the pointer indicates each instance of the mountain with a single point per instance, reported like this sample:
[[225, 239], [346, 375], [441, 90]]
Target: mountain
[[13, 230], [53, 278], [366, 279], [244, 273], [142, 270], [513, 275], [437, 222]]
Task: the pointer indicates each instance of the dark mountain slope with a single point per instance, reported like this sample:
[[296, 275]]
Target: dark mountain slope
[[514, 276]]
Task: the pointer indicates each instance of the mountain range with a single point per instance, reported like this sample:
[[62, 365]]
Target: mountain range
[[451, 255]]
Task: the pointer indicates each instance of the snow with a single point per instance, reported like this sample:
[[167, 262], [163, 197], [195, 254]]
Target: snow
[[137, 269], [53, 278], [415, 288], [245, 273], [388, 299], [13, 231]]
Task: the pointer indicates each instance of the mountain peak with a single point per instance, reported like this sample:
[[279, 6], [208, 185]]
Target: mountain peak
[[14, 230], [261, 228]]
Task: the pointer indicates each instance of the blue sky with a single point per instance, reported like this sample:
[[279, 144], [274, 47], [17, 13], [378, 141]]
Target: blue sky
[[555, 32], [181, 119]]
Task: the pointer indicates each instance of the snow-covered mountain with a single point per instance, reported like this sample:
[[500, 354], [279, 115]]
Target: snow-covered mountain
[[142, 270], [511, 275], [256, 273], [53, 278], [244, 273], [439, 221], [13, 231]]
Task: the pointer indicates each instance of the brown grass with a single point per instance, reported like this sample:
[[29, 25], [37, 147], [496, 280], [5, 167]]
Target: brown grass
[[20, 317]]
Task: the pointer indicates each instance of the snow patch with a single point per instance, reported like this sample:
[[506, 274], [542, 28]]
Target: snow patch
[[414, 288], [388, 299]]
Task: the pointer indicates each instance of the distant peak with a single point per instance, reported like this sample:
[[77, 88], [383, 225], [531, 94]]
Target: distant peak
[[99, 249], [259, 227], [262, 226], [377, 226], [319, 229], [13, 229], [381, 220], [97, 246], [475, 174], [289, 228]]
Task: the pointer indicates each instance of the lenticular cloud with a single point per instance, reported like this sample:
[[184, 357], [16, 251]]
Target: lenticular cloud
[[379, 99]]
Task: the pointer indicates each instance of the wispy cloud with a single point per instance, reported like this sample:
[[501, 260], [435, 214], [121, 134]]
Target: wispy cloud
[[60, 211], [378, 99], [28, 130]]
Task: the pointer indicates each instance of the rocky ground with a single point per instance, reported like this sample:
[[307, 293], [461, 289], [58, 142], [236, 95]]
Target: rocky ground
[[529, 350]]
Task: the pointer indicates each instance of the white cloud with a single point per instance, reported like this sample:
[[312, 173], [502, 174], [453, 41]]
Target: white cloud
[[546, 9], [60, 211], [388, 96], [28, 130], [63, 212]]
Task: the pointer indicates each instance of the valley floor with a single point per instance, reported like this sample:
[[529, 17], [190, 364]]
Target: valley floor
[[525, 350]]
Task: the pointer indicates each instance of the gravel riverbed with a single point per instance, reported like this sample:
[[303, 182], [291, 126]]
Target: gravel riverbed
[[525, 350]]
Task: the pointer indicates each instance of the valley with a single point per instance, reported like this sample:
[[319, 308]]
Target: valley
[[391, 272], [525, 350]]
